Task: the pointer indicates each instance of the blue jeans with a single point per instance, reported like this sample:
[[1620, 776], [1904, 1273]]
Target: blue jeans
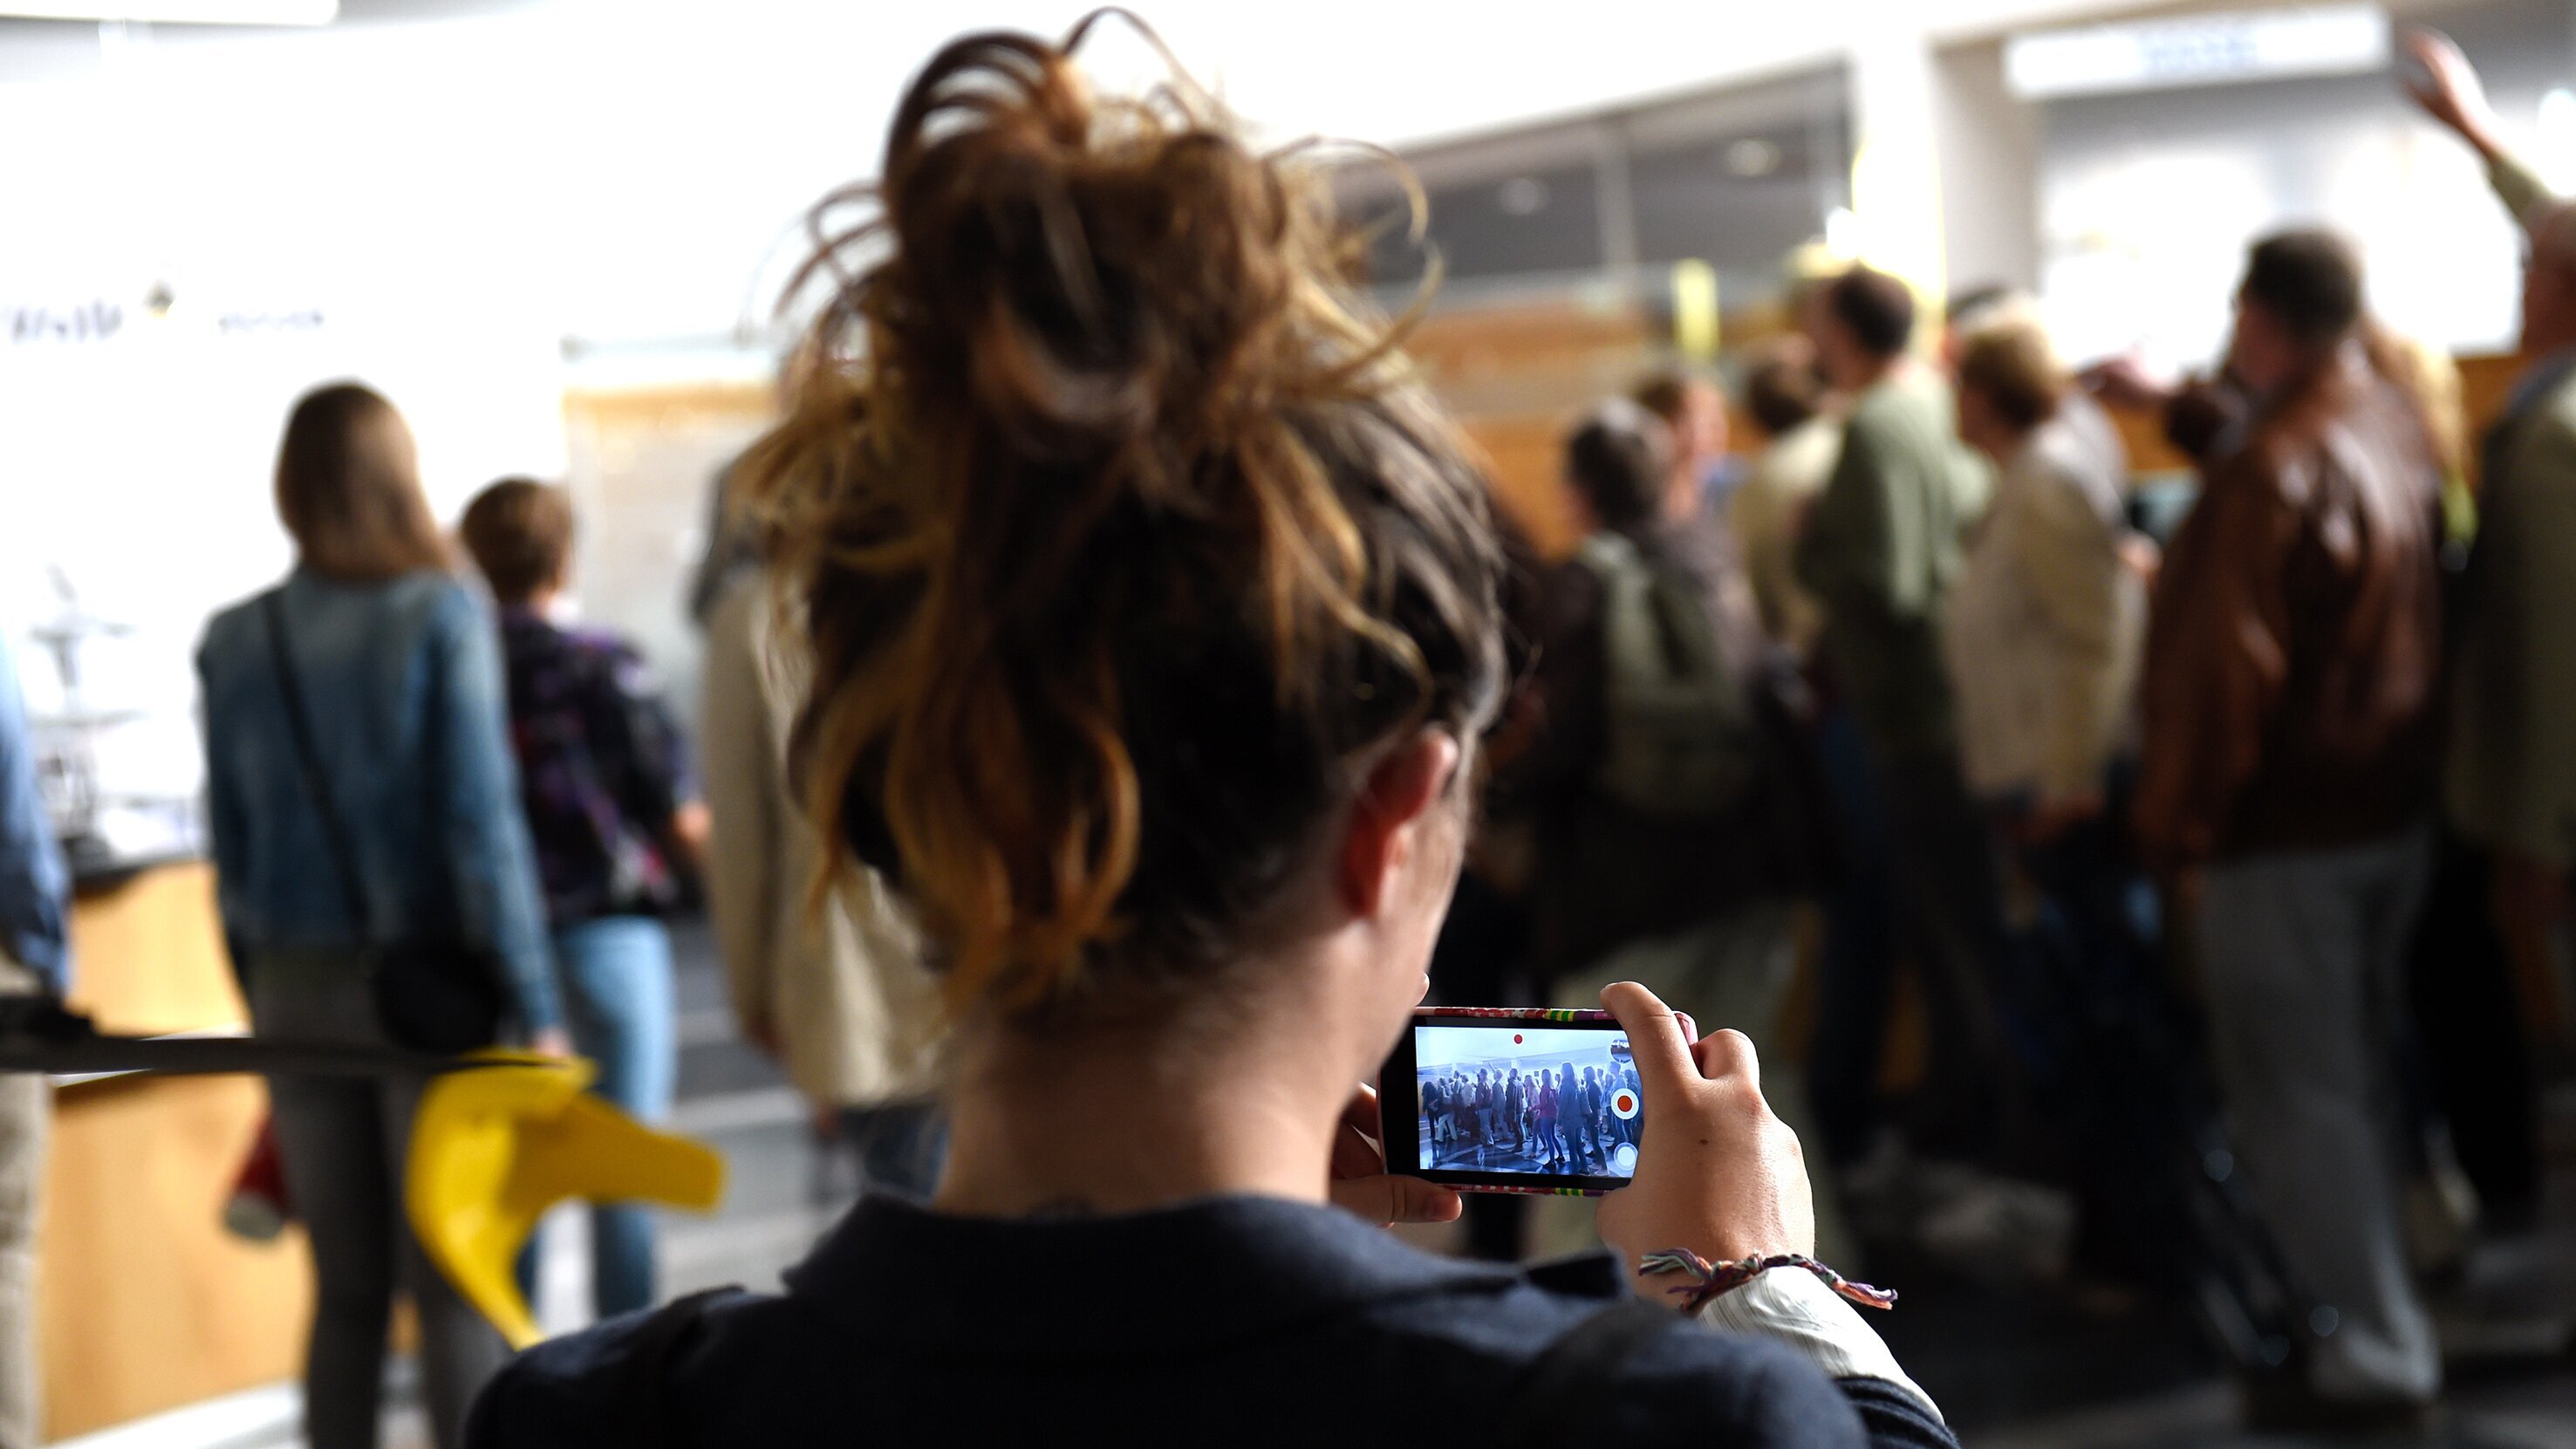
[[618, 1003]]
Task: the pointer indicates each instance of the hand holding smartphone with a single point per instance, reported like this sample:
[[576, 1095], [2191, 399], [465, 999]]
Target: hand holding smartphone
[[1724, 1178]]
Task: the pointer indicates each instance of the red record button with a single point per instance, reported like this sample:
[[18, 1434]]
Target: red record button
[[1623, 1104]]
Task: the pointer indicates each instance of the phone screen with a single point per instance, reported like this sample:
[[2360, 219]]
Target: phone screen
[[1533, 1104]]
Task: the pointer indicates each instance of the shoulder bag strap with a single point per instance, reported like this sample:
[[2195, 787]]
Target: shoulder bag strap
[[308, 757], [1571, 1389]]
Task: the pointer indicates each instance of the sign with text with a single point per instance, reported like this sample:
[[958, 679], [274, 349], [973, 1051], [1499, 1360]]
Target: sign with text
[[2197, 50]]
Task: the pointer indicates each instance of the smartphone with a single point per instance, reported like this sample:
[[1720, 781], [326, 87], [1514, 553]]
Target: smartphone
[[1506, 1100]]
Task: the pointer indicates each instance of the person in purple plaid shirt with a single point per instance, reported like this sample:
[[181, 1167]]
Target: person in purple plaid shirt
[[604, 777]]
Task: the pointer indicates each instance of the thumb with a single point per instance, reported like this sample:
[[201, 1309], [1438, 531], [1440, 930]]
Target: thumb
[[1657, 1041], [1390, 1198]]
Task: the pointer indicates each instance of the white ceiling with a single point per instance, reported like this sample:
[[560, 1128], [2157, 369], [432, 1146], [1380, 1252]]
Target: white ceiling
[[642, 164]]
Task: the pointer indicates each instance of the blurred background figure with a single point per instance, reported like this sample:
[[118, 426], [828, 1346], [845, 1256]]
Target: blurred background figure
[[2510, 787], [363, 796], [611, 809], [2288, 764], [1799, 440], [2044, 637], [35, 961], [1880, 551], [1665, 773], [834, 989], [1693, 411]]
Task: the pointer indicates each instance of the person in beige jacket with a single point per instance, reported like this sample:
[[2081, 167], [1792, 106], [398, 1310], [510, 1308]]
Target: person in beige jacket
[[838, 994], [2049, 618], [2045, 638]]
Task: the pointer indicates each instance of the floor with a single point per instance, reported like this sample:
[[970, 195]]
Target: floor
[[2034, 1369], [2012, 1368]]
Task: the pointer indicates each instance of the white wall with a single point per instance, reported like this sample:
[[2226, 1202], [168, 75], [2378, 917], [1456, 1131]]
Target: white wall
[[311, 221], [1989, 144], [2149, 200]]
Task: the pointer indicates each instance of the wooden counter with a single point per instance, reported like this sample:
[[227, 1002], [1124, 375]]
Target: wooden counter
[[144, 1302]]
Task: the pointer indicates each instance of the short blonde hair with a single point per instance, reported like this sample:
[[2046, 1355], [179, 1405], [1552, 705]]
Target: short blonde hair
[[2011, 363]]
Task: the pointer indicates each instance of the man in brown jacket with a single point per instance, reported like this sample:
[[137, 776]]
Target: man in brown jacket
[[2288, 763]]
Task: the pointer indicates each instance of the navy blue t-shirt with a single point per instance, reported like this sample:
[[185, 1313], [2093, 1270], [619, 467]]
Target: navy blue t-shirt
[[1235, 1321]]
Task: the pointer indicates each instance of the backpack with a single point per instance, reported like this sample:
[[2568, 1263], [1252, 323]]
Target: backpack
[[1681, 740]]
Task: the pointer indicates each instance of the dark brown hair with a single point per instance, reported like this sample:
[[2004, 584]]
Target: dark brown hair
[[348, 488], [1125, 543], [2012, 366], [1783, 389], [520, 534], [1620, 458], [1666, 395], [2310, 281], [1877, 309]]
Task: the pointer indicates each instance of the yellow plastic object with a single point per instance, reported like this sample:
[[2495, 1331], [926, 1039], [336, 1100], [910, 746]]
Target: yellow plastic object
[[493, 1147]]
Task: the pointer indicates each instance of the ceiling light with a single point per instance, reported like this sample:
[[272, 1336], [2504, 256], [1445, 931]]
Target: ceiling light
[[178, 12], [1753, 156], [1523, 196]]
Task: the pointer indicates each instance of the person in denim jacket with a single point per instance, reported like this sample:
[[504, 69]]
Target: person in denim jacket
[[402, 691]]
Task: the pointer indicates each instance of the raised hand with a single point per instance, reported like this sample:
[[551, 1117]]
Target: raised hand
[[2447, 87]]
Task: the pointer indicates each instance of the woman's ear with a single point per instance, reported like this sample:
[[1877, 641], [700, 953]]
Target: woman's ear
[[1392, 822]]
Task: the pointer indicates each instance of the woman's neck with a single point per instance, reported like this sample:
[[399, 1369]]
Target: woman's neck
[[1121, 1119]]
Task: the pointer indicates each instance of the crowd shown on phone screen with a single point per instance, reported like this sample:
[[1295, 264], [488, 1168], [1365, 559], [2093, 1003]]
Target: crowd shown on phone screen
[[1134, 646], [1563, 1120]]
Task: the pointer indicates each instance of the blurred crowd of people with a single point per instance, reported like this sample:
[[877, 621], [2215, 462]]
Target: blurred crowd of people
[[2248, 833], [1545, 1122]]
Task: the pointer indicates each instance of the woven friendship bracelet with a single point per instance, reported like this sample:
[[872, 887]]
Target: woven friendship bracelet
[[1710, 1280]]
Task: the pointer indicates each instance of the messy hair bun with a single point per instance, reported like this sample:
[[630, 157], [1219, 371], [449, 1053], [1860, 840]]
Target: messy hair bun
[[1125, 544]]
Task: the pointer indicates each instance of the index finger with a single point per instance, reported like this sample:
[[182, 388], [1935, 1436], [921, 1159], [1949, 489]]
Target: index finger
[[1658, 1043]]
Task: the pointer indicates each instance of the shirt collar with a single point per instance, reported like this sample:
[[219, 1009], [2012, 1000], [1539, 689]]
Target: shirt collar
[[1111, 1287]]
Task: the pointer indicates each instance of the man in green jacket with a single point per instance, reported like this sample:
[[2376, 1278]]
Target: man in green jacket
[[2511, 774], [1879, 552]]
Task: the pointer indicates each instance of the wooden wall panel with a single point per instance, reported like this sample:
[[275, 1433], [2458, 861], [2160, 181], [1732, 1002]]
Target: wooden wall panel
[[151, 956], [1514, 376], [143, 1302], [1521, 454]]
